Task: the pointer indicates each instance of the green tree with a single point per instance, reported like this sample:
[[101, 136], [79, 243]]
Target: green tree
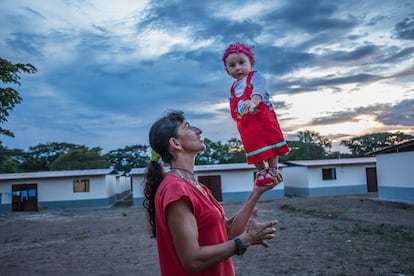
[[362, 145], [10, 160], [9, 97], [80, 159], [236, 151], [309, 146], [128, 157], [41, 156], [215, 153]]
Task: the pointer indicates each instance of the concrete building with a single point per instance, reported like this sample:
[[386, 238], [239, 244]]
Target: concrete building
[[395, 172], [330, 177], [228, 182], [61, 189]]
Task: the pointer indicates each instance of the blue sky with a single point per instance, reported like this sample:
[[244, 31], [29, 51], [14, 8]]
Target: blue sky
[[108, 69]]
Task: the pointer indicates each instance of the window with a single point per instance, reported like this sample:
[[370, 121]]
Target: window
[[81, 185], [328, 173]]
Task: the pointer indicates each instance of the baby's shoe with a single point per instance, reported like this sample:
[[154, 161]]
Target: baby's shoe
[[274, 172], [263, 178]]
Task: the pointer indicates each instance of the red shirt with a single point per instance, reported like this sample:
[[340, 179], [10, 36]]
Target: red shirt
[[210, 218]]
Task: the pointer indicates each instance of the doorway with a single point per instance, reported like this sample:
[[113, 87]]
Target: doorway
[[372, 184], [24, 197], [213, 182]]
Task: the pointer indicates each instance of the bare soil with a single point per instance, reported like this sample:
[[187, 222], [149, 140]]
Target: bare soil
[[346, 235]]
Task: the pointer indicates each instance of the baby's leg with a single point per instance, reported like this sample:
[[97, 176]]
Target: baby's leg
[[260, 166], [273, 162], [273, 166]]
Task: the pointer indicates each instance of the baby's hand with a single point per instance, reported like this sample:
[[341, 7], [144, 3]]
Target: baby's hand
[[249, 105]]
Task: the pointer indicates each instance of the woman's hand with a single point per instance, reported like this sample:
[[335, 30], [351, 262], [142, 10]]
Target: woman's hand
[[258, 233], [276, 180]]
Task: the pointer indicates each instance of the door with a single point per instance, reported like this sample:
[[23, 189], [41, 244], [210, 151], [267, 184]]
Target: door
[[372, 184], [24, 197], [213, 182]]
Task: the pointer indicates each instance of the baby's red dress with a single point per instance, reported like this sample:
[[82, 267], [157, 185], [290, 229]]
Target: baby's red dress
[[259, 128]]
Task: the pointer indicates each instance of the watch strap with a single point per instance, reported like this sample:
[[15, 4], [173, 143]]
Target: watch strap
[[240, 247]]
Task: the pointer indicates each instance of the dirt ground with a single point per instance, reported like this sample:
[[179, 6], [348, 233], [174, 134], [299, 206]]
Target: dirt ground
[[347, 235]]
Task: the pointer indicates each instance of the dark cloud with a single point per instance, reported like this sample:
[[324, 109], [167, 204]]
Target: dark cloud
[[405, 29], [401, 113], [356, 54], [34, 12], [396, 54], [26, 43], [376, 19], [93, 85], [311, 16], [332, 81], [279, 61]]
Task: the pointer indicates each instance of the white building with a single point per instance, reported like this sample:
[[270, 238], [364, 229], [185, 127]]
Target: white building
[[228, 182], [330, 177], [395, 172], [61, 189]]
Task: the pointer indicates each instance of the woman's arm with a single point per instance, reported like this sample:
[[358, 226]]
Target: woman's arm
[[237, 224], [183, 227], [193, 257]]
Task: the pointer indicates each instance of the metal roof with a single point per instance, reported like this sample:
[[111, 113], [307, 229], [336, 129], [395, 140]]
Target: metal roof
[[51, 174], [406, 146], [332, 162], [206, 168]]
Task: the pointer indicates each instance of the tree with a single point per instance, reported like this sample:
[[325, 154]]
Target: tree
[[10, 160], [363, 145], [309, 146], [9, 97], [215, 153], [129, 157], [236, 151], [41, 156], [80, 159]]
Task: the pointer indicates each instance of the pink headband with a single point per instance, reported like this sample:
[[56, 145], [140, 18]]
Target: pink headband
[[237, 48]]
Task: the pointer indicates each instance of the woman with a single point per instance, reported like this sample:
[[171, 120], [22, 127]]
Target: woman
[[193, 235]]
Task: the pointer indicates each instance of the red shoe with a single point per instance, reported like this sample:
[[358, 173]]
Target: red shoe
[[263, 178]]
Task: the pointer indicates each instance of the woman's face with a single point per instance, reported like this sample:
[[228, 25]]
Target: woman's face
[[190, 137], [238, 65]]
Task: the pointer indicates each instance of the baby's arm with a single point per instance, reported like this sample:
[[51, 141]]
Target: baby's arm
[[259, 92], [253, 102]]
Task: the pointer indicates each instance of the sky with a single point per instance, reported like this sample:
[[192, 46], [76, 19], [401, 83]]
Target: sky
[[108, 69]]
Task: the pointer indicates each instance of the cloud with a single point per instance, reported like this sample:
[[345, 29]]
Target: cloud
[[405, 28], [107, 70]]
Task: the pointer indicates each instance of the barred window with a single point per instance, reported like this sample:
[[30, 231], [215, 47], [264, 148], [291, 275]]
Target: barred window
[[328, 174], [81, 185]]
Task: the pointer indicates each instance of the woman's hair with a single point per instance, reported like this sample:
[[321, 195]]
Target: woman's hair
[[159, 136]]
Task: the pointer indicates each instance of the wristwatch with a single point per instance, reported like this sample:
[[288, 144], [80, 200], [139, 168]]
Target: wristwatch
[[240, 247]]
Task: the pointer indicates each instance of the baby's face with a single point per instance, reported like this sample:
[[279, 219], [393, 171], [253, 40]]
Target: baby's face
[[238, 65]]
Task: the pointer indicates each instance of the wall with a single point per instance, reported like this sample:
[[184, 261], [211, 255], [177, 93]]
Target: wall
[[350, 179], [307, 181], [296, 180], [395, 176], [236, 185], [57, 193]]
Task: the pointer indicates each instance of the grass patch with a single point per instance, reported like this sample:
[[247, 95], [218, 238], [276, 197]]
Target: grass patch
[[389, 233]]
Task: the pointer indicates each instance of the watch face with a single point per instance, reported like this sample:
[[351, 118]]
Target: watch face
[[241, 250]]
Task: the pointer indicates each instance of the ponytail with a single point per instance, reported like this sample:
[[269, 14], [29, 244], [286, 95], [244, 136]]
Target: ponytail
[[153, 178]]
